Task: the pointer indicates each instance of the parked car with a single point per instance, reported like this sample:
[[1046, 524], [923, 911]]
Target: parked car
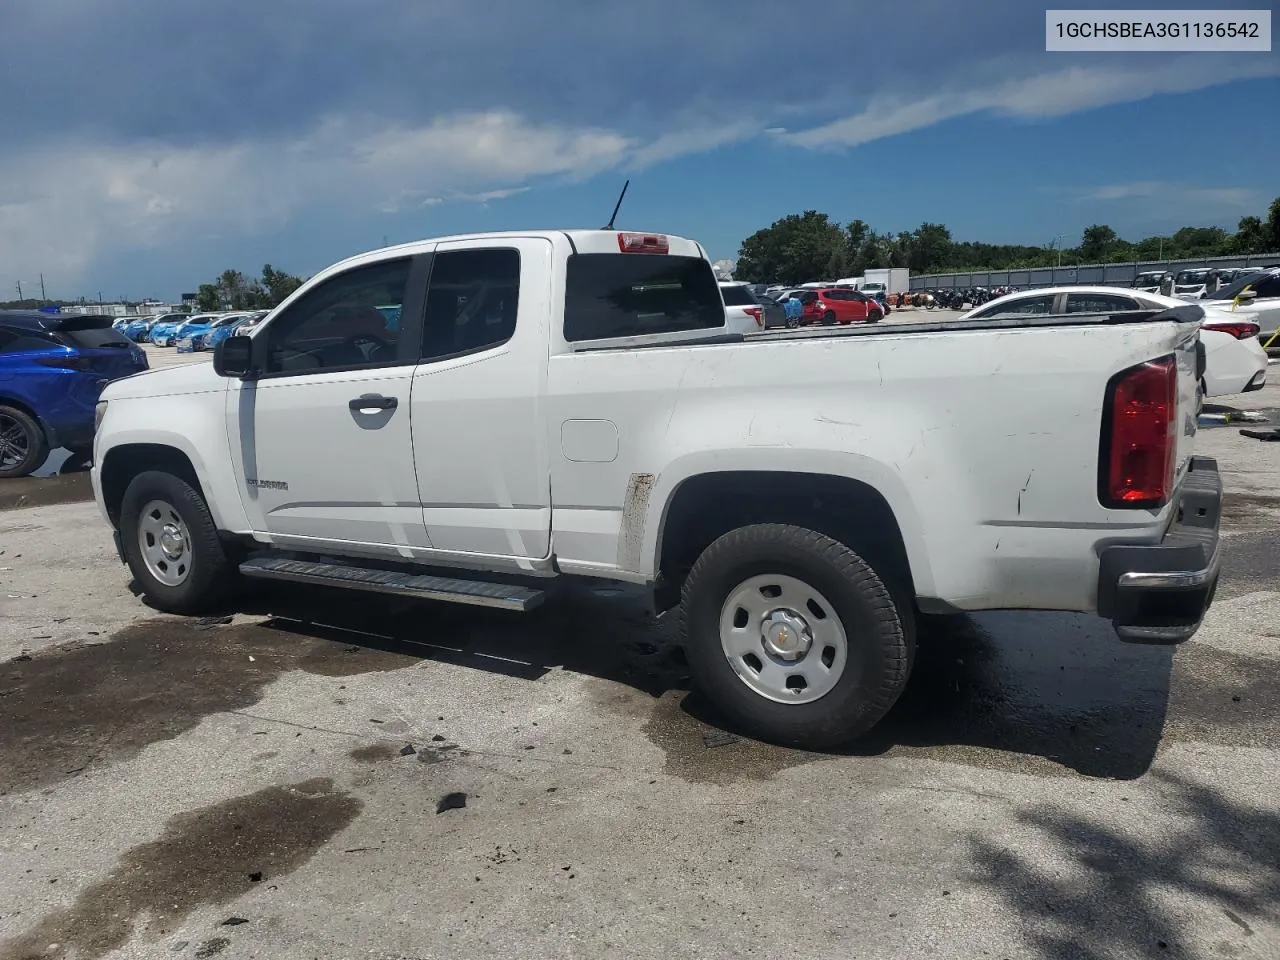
[[52, 369], [744, 311], [138, 329], [1149, 281], [775, 315], [1230, 275], [164, 332], [191, 335], [1234, 359], [1191, 284], [579, 417], [119, 323], [792, 308], [242, 325], [1257, 294], [832, 306]]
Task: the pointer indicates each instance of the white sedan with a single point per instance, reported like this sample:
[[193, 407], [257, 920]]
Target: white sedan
[[1234, 359]]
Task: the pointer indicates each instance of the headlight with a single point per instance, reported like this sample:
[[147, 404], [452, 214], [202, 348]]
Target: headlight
[[99, 411]]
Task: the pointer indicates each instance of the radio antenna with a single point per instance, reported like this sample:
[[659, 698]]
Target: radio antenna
[[616, 206]]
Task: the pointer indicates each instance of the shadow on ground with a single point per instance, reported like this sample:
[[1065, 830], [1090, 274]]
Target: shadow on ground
[[1095, 891], [62, 478], [1041, 693], [1035, 693]]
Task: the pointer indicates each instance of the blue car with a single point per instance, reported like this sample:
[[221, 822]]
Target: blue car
[[193, 334], [138, 329], [239, 325], [163, 332], [52, 370]]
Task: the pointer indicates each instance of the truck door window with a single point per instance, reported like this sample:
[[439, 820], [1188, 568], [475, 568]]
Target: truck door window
[[472, 301], [337, 325], [627, 294]]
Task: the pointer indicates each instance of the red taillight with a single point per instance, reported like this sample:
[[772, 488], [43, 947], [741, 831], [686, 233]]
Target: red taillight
[[756, 314], [1240, 330], [642, 243], [1140, 431]]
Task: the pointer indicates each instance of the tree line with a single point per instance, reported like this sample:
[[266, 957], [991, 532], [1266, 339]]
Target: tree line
[[811, 246], [234, 291]]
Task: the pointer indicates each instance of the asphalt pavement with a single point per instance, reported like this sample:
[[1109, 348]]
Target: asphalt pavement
[[330, 775]]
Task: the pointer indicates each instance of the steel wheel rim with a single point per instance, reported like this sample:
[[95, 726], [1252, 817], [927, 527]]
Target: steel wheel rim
[[783, 639], [165, 543], [15, 445]]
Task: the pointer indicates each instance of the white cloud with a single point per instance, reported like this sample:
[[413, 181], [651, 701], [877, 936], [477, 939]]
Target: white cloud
[[1045, 95], [1242, 198], [62, 205], [694, 137]]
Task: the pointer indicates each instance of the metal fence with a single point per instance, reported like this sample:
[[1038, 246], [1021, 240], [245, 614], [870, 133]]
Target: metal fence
[[1109, 274]]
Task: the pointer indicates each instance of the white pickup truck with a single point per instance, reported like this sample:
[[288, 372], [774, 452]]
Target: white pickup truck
[[461, 419]]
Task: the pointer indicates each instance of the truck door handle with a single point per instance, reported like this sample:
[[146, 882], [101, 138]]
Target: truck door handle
[[373, 401]]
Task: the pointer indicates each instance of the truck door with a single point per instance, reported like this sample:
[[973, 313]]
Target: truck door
[[321, 439], [478, 399]]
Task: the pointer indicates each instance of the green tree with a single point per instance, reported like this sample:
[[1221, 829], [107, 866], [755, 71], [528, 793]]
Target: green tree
[[1250, 236], [236, 291], [858, 231], [276, 285], [795, 249], [930, 248], [1272, 225], [208, 298], [1097, 243]]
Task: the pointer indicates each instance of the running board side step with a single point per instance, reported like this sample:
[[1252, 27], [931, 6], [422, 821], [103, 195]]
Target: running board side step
[[372, 580]]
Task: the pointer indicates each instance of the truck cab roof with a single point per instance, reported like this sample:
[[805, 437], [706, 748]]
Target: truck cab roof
[[579, 240]]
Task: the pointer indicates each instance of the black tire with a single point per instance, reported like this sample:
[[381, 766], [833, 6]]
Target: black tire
[[793, 323], [23, 445], [211, 572], [880, 635], [828, 318]]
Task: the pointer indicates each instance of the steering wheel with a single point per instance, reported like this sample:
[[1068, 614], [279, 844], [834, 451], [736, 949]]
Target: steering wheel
[[358, 341]]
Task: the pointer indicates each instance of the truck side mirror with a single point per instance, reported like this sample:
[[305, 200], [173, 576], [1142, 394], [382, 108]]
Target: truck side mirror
[[233, 357]]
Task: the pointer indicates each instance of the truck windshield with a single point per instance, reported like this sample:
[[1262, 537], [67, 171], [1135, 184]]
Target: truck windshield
[[625, 295]]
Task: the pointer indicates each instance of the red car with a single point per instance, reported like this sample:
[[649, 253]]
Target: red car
[[832, 305]]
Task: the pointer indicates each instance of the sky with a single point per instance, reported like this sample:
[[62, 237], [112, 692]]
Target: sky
[[149, 144]]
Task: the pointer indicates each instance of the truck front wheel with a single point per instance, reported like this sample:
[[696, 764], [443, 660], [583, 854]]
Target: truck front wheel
[[794, 636], [171, 544]]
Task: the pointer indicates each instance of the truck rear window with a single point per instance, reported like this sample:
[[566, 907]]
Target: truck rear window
[[625, 295]]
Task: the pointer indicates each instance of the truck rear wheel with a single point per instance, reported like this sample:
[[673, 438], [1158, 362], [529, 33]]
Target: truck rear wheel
[[172, 545], [794, 636]]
